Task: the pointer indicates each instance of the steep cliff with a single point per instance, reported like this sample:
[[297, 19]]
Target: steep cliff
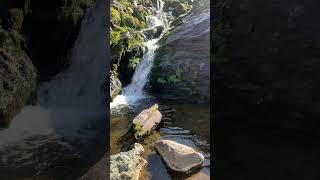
[[182, 63]]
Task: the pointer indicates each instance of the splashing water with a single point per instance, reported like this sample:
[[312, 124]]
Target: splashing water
[[74, 96], [134, 91]]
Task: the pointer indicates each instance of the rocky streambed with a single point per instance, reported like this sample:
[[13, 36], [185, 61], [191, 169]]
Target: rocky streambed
[[176, 149]]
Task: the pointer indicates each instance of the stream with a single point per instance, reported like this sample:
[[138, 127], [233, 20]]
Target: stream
[[187, 124]]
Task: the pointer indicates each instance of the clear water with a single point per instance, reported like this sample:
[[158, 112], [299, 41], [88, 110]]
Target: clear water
[[188, 124]]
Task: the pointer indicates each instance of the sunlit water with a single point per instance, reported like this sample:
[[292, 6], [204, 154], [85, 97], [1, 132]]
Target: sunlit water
[[65, 131], [184, 123]]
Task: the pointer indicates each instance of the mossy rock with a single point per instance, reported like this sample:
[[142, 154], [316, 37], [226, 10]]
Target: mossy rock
[[176, 7]]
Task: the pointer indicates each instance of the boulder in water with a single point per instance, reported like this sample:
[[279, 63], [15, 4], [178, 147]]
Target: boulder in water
[[178, 157], [154, 32], [146, 121], [127, 165]]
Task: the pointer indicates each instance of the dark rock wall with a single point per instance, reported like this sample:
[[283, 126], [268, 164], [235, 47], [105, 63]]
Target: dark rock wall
[[271, 75], [181, 70], [265, 84]]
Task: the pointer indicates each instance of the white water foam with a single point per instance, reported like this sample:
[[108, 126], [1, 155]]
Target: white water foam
[[74, 96], [134, 91]]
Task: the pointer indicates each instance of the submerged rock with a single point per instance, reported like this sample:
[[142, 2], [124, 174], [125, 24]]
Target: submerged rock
[[154, 32], [146, 121], [18, 78], [178, 157], [127, 165]]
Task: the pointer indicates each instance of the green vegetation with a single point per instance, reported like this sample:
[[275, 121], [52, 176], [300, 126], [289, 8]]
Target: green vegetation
[[126, 40], [73, 10], [178, 8], [115, 16], [16, 19]]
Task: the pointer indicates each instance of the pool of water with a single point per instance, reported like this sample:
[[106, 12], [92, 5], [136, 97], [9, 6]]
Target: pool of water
[[188, 124], [53, 156]]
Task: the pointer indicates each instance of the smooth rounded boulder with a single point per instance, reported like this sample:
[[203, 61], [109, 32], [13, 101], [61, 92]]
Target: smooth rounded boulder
[[178, 157]]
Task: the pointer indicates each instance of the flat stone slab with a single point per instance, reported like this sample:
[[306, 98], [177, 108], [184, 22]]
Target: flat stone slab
[[178, 157]]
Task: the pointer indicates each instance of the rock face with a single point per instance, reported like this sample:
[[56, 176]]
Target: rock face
[[127, 165], [181, 69], [99, 171], [17, 78], [178, 157], [146, 121], [177, 7], [115, 85], [154, 32], [272, 69]]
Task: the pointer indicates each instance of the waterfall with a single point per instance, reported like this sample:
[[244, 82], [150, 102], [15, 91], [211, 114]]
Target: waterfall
[[75, 96], [134, 91]]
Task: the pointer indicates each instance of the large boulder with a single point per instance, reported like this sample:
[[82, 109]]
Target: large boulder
[[146, 121], [18, 78], [178, 157], [127, 165], [181, 68]]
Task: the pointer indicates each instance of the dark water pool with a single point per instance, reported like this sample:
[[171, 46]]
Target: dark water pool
[[53, 156]]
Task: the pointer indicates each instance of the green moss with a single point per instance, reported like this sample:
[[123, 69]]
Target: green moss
[[133, 62], [161, 80], [16, 18], [115, 16], [140, 14], [17, 39], [73, 10], [130, 21], [174, 78], [115, 37]]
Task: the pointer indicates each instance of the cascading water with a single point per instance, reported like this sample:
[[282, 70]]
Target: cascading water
[[134, 91], [71, 100]]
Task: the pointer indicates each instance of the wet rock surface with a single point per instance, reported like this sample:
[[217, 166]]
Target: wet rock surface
[[267, 89], [178, 157], [154, 32], [182, 64], [127, 165]]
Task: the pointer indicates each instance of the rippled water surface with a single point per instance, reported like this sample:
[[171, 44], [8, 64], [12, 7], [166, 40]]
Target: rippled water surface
[[188, 124]]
